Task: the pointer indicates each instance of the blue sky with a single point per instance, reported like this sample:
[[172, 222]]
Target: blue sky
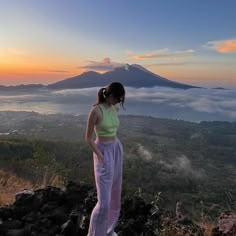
[[187, 41]]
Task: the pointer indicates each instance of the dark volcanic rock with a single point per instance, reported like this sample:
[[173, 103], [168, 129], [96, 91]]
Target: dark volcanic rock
[[53, 211], [226, 225], [47, 211]]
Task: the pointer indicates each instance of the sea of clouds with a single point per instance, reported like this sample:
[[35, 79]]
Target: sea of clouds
[[192, 104]]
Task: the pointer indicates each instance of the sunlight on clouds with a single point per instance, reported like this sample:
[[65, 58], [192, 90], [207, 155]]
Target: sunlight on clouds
[[102, 66], [163, 54], [224, 46]]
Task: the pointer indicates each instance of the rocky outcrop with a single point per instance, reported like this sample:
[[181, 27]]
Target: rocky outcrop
[[49, 211], [53, 211], [226, 225]]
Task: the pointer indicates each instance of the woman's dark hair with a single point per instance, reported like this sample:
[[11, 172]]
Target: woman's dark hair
[[115, 89]]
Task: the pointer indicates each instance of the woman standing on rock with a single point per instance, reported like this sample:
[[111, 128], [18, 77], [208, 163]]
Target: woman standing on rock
[[108, 159]]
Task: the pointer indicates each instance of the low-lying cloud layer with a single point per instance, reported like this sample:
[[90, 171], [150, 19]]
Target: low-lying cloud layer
[[208, 102], [192, 104]]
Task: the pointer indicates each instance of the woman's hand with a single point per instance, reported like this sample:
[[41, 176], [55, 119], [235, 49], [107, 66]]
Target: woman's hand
[[100, 157]]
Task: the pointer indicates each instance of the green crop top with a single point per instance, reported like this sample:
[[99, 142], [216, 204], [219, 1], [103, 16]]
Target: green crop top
[[109, 123]]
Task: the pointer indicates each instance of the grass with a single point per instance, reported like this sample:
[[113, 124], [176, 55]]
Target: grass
[[10, 184]]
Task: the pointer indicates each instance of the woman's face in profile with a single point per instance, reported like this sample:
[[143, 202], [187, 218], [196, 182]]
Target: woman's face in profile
[[114, 100]]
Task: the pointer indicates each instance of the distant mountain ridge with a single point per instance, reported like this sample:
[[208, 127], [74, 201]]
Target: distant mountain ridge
[[129, 75], [22, 87]]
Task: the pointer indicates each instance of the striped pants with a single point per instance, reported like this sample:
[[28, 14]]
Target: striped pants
[[108, 177]]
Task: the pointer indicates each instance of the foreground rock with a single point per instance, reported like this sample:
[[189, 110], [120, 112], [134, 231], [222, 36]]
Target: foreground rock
[[226, 225], [53, 211]]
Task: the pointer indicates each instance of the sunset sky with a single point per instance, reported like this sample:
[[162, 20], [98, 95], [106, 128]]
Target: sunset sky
[[188, 41]]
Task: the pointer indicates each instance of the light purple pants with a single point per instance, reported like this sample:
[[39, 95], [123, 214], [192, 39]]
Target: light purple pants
[[108, 177]]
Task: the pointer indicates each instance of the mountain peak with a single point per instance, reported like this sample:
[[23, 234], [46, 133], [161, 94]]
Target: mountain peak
[[130, 75], [148, 71]]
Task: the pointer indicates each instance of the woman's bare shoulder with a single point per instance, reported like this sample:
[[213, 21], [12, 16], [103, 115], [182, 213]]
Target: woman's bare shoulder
[[95, 111]]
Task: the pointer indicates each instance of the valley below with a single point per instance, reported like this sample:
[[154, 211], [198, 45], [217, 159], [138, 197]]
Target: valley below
[[176, 160]]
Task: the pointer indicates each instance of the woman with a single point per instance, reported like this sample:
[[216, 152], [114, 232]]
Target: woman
[[108, 159]]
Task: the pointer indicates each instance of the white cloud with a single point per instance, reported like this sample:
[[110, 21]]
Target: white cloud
[[105, 65], [199, 100], [144, 153], [223, 46], [162, 54], [183, 166]]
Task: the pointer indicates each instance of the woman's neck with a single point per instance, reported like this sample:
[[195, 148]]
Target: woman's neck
[[107, 105]]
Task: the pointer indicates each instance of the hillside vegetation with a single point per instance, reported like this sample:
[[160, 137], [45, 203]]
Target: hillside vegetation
[[174, 160]]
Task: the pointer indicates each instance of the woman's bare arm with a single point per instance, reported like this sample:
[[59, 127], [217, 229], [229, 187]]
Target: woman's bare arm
[[91, 122]]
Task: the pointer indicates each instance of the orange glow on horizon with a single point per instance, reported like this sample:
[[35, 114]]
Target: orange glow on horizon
[[21, 67], [13, 75], [198, 76]]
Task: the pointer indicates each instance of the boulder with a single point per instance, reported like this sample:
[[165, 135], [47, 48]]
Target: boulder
[[226, 225]]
